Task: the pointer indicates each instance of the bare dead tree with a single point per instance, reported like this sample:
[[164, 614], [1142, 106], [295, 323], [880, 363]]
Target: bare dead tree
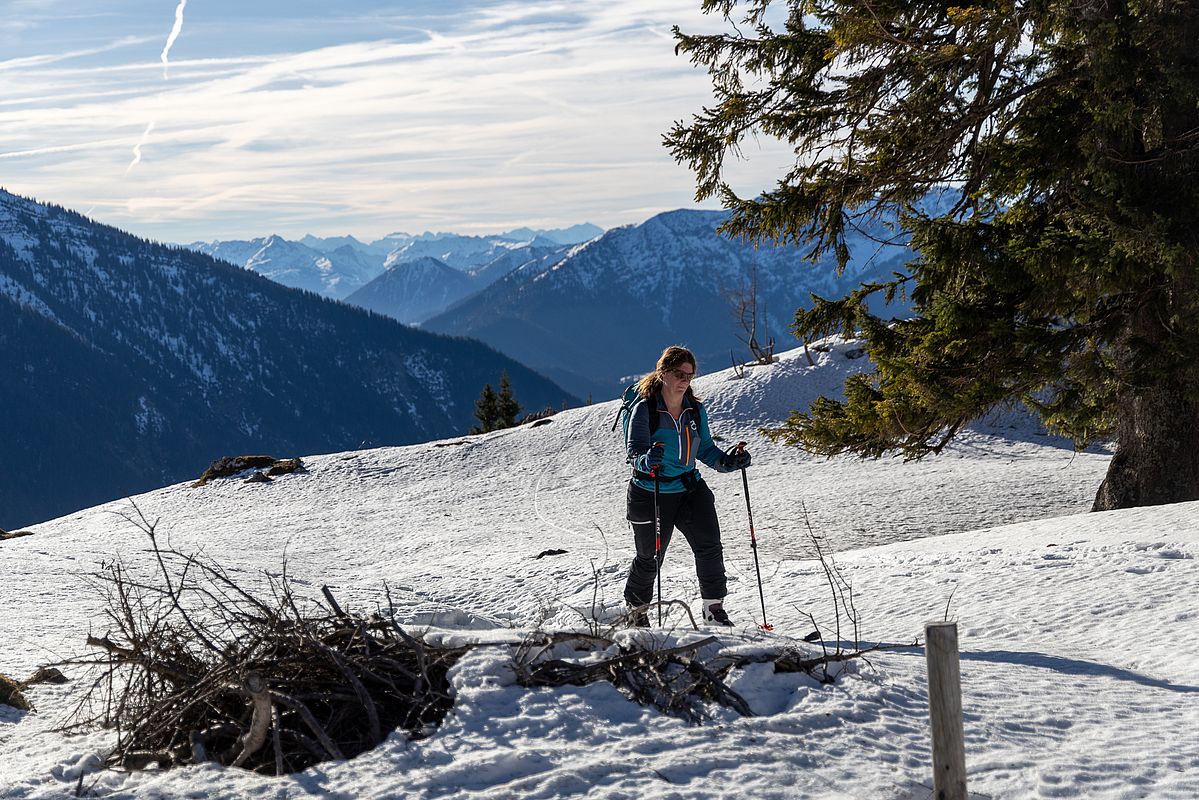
[[738, 367], [744, 303]]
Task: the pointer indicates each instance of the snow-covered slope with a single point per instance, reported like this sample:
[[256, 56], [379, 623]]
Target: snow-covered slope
[[467, 253], [1080, 671], [327, 244]]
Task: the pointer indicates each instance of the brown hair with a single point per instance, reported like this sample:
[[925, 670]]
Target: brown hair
[[672, 358]]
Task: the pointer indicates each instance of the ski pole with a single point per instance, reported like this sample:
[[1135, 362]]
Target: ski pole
[[753, 543], [657, 538]]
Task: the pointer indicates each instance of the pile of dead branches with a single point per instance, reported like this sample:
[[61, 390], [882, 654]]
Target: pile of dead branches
[[674, 680], [681, 680], [197, 668]]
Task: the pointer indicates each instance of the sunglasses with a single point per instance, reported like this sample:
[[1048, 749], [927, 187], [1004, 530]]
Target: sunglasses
[[679, 375]]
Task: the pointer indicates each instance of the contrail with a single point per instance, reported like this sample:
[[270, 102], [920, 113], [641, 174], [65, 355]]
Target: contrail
[[137, 148], [178, 26], [176, 29]]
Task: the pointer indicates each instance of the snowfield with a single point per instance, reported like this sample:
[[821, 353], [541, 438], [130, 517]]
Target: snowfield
[[1080, 666]]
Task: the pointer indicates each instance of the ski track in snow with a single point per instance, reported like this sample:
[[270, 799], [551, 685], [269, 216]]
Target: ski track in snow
[[1079, 665]]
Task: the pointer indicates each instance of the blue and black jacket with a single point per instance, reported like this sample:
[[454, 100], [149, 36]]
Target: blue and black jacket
[[684, 441]]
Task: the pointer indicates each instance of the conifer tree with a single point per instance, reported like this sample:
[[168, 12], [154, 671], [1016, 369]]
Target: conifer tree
[[496, 411], [1059, 268], [507, 409], [486, 411]]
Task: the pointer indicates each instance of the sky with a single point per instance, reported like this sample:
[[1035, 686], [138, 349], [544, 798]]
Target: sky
[[183, 120]]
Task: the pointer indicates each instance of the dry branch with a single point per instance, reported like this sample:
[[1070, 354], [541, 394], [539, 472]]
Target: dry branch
[[676, 680], [198, 668]]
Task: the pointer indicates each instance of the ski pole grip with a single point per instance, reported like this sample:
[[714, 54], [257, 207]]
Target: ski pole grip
[[656, 468]]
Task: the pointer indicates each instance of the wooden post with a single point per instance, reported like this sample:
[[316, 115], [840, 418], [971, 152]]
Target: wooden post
[[945, 710]]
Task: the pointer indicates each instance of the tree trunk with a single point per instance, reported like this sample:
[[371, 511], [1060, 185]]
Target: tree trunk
[[1157, 402], [1157, 449]]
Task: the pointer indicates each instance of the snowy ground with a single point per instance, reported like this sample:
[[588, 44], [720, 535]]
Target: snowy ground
[[1080, 673]]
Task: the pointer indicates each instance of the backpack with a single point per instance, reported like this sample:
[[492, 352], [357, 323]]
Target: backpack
[[628, 399]]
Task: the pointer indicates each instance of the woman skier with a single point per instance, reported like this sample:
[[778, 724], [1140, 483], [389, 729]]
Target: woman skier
[[667, 432]]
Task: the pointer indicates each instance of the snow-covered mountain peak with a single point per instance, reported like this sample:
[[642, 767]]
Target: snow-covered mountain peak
[[660, 255], [412, 290], [11, 203], [22, 218], [576, 234], [419, 265], [332, 243]]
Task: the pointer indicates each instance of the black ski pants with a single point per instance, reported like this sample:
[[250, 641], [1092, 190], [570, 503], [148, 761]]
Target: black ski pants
[[694, 513]]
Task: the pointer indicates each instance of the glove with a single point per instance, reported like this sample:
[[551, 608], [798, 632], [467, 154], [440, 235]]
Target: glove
[[736, 458], [652, 459]]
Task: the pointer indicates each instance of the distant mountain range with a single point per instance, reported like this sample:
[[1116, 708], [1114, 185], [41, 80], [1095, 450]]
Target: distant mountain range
[[336, 267], [128, 364], [334, 272], [600, 313], [413, 291], [591, 314]]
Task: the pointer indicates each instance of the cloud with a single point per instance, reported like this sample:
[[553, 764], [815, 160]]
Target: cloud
[[545, 112], [26, 62]]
